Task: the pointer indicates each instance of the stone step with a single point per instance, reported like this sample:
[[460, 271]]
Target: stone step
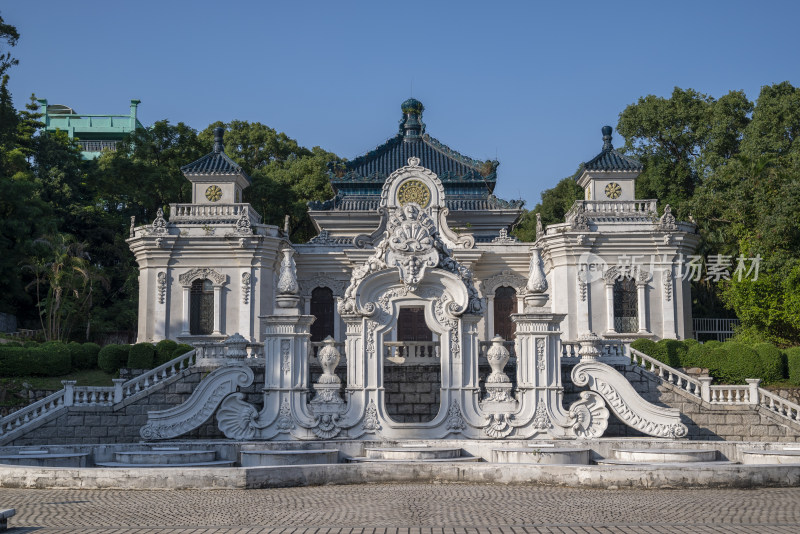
[[216, 463], [543, 456], [46, 459], [785, 456], [413, 453], [664, 456], [4, 515], [460, 459], [170, 457], [668, 464], [300, 457]]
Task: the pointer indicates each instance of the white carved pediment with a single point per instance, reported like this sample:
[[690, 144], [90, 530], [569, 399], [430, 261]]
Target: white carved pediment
[[505, 278], [200, 273], [322, 280]]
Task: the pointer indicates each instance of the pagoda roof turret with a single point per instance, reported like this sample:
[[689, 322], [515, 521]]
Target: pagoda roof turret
[[215, 163], [611, 160]]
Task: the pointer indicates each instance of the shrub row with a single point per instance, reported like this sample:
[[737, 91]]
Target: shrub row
[[728, 362], [56, 358]]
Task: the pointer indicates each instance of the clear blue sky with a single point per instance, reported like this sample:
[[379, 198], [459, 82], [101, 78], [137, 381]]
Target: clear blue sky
[[529, 82]]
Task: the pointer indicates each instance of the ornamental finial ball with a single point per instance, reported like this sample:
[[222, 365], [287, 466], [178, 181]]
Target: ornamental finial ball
[[607, 138], [219, 133], [412, 105]]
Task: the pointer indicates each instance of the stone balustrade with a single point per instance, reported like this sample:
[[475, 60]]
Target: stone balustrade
[[211, 213], [38, 409], [412, 352], [778, 404], [609, 348]]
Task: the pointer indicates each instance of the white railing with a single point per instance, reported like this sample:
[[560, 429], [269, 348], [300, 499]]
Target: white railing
[[155, 376], [750, 394], [218, 350], [412, 352], [211, 213], [778, 404], [613, 208], [73, 395], [38, 409], [609, 348]]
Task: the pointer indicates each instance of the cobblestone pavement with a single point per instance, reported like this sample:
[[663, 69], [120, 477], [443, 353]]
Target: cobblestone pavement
[[406, 509]]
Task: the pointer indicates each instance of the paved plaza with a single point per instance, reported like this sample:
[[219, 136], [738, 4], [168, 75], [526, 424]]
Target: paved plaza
[[406, 509]]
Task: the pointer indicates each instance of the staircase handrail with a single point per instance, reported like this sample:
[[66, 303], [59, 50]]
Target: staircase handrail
[[693, 386], [25, 415]]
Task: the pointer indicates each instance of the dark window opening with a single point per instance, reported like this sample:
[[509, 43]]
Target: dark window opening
[[201, 304]]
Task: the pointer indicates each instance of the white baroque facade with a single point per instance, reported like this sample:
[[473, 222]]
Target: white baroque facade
[[413, 268]]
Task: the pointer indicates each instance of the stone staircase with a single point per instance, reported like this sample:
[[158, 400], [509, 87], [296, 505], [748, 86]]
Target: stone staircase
[[543, 454], [688, 457], [298, 457], [42, 457], [789, 455], [167, 457], [414, 454]]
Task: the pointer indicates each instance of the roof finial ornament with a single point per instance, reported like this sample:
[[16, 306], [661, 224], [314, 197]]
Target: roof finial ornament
[[607, 139], [218, 135], [411, 126]]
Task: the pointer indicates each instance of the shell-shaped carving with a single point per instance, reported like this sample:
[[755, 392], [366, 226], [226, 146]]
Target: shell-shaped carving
[[589, 416], [236, 418]]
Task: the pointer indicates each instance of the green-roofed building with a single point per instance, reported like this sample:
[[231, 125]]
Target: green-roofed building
[[95, 133]]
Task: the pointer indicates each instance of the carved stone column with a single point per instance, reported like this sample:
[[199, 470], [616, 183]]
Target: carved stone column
[[610, 307], [186, 311], [641, 293]]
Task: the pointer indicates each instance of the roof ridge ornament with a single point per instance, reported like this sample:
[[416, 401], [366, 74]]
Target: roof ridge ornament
[[607, 146], [413, 161], [219, 134]]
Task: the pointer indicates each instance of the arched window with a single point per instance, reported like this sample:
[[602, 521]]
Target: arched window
[[505, 303], [201, 305], [626, 305], [322, 309]]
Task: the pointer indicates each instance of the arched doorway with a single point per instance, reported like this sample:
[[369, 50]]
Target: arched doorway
[[201, 308], [412, 369]]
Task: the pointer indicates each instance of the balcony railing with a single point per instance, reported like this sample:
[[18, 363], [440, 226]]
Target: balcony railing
[[706, 329], [211, 213], [98, 146], [412, 352]]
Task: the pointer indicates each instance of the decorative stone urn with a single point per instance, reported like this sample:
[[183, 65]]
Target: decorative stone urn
[[236, 347], [498, 356], [590, 346], [287, 282], [329, 358]]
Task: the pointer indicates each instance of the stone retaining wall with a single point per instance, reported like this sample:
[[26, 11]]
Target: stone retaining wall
[[412, 392]]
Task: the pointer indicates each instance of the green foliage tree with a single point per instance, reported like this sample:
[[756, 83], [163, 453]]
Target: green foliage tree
[[554, 205]]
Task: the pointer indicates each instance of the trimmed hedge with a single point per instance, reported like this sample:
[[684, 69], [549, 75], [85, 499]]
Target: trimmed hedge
[[141, 356], [648, 346], [181, 349], [84, 356], [793, 364], [112, 357], [773, 362], [52, 359], [164, 350]]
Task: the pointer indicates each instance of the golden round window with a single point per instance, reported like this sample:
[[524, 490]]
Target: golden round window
[[213, 193], [414, 191], [613, 190]]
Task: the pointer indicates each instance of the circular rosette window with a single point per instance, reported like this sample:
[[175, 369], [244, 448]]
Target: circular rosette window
[[613, 190], [213, 193], [414, 191]]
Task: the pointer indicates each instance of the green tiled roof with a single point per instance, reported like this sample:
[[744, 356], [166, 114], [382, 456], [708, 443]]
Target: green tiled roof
[[216, 162], [611, 160]]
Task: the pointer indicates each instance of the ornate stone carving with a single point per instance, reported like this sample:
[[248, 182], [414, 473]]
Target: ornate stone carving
[[579, 221], [642, 276], [323, 238], [285, 421], [667, 222], [497, 356], [541, 419], [329, 358], [412, 236], [322, 280], [591, 346], [159, 226], [667, 281], [504, 238], [171, 423], [326, 425], [539, 227], [287, 281], [162, 287], [286, 356], [237, 419], [243, 226], [583, 286], [133, 226], [626, 403], [589, 416], [505, 278], [236, 347], [371, 423], [455, 422], [371, 337], [499, 425], [245, 288], [537, 282], [200, 273], [541, 364]]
